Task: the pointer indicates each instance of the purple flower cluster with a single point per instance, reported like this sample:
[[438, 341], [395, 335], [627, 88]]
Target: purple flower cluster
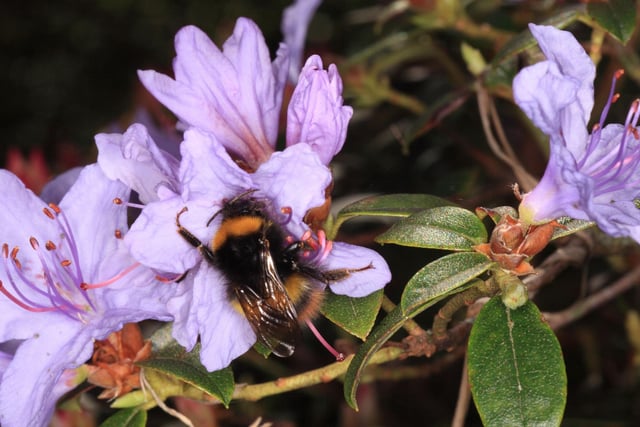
[[73, 273], [593, 176], [229, 102]]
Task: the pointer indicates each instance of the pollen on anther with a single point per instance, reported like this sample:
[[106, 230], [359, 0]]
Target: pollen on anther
[[50, 246], [286, 210], [55, 208], [118, 234], [48, 213], [65, 263], [117, 201], [14, 252], [618, 74], [34, 242], [615, 97]]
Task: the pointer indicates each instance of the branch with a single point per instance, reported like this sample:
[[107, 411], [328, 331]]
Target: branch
[[318, 376]]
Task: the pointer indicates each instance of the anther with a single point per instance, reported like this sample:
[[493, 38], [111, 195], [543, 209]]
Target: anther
[[50, 246], [118, 234], [615, 97], [34, 243], [5, 250], [65, 263], [14, 252], [117, 201], [55, 208], [618, 74], [48, 213]]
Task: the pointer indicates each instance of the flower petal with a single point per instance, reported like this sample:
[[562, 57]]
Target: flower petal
[[295, 23], [208, 171], [155, 242], [358, 283], [300, 165], [27, 396], [316, 115], [135, 159], [224, 333], [233, 94]]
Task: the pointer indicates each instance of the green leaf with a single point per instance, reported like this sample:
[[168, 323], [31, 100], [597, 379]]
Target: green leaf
[[571, 226], [354, 315], [516, 369], [418, 300], [525, 40], [441, 278], [445, 227], [130, 417], [391, 205], [381, 333], [173, 360], [617, 17]]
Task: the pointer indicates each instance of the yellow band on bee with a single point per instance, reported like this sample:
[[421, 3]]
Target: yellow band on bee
[[238, 226]]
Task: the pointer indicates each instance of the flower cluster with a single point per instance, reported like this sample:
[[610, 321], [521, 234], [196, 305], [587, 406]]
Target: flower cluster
[[589, 176], [229, 102], [73, 273]]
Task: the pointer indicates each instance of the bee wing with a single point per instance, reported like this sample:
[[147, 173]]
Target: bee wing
[[270, 311]]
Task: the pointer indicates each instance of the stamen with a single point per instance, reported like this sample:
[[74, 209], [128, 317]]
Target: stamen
[[21, 304], [338, 355], [84, 286], [65, 263], [176, 279], [48, 213], [50, 246], [595, 135], [55, 208], [118, 234], [119, 201], [288, 212]]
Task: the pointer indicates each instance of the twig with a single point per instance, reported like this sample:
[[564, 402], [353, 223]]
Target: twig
[[464, 397], [579, 309], [318, 376]]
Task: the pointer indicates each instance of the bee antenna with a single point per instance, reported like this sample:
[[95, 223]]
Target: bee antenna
[[235, 199]]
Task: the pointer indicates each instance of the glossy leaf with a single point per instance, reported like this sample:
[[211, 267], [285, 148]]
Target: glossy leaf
[[173, 360], [130, 417], [354, 315], [445, 227], [516, 369], [392, 205], [441, 278], [571, 226], [617, 17], [380, 334]]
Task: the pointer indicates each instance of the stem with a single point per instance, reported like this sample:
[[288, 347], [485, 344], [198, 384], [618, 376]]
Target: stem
[[464, 397], [443, 317], [579, 309], [318, 376], [410, 325]]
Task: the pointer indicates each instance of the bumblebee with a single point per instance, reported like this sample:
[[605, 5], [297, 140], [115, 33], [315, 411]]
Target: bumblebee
[[267, 276]]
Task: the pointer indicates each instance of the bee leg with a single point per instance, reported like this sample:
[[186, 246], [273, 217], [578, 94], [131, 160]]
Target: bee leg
[[193, 240]]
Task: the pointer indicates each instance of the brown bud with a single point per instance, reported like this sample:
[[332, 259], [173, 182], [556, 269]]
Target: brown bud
[[112, 365]]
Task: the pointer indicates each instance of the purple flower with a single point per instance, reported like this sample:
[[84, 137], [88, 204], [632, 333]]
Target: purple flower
[[589, 176], [53, 260], [235, 95], [291, 181], [295, 23]]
